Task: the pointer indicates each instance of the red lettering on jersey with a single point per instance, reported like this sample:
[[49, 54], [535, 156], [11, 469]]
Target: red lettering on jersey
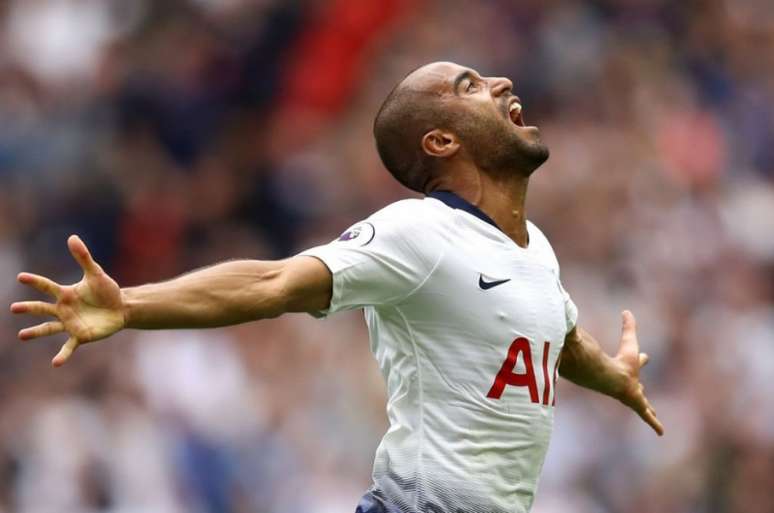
[[506, 376], [547, 387]]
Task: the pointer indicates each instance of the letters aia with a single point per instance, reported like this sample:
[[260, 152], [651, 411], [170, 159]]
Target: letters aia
[[506, 376]]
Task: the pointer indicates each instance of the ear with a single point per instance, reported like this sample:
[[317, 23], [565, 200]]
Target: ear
[[439, 143]]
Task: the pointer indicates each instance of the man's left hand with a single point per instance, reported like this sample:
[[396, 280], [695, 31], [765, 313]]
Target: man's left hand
[[631, 360]]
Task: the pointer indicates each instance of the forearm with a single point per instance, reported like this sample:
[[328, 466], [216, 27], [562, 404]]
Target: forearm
[[229, 293], [220, 295], [586, 364]]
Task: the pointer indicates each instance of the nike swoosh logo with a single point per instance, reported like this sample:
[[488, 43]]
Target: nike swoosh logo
[[486, 285]]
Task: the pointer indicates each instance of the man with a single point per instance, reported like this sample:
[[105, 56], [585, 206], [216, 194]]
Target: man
[[467, 316]]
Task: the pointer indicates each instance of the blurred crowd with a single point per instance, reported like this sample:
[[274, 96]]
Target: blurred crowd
[[174, 134]]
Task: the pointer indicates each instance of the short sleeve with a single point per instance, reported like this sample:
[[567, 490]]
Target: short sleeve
[[376, 262], [570, 310]]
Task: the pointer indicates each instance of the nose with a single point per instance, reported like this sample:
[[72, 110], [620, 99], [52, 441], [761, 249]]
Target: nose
[[500, 86]]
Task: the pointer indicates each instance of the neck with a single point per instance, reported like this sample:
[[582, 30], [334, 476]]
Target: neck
[[501, 199]]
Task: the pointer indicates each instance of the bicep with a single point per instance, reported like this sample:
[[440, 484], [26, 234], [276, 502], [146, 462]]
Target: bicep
[[307, 284], [570, 350], [571, 342], [572, 337]]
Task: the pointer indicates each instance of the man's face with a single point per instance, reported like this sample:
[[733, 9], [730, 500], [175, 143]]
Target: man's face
[[486, 116]]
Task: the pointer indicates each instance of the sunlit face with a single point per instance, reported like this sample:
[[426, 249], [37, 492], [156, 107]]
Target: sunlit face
[[488, 117]]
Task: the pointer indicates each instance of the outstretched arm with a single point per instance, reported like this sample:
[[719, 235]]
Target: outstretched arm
[[584, 363], [220, 295]]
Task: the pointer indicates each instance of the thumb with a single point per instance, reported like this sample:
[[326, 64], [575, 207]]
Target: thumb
[[629, 322], [65, 352], [81, 254], [629, 344]]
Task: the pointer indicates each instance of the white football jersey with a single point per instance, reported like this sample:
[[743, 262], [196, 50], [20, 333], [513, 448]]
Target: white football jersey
[[467, 328]]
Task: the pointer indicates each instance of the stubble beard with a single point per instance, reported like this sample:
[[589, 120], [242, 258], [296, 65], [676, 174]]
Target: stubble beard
[[500, 150]]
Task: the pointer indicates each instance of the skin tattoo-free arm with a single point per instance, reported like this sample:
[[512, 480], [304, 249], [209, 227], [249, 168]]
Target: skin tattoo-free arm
[[584, 363], [247, 290], [223, 294]]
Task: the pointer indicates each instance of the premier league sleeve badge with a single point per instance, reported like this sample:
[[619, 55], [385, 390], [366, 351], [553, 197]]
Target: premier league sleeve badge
[[359, 234]]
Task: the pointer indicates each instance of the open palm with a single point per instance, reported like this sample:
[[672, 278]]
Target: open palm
[[89, 310]]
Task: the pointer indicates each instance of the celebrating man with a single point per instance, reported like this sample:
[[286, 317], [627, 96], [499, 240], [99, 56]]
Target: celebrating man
[[466, 312]]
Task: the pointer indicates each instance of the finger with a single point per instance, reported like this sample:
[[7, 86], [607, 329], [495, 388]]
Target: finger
[[629, 344], [41, 330], [649, 417], [40, 283], [34, 308], [643, 359], [650, 407], [81, 255], [629, 324], [65, 353]]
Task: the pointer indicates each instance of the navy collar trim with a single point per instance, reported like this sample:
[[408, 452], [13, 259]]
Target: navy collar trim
[[453, 201]]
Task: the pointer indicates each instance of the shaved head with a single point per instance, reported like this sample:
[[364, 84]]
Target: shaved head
[[412, 109], [456, 99]]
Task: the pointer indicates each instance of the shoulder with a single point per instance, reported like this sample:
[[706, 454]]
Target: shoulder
[[418, 210], [405, 224], [409, 218], [536, 234], [542, 246]]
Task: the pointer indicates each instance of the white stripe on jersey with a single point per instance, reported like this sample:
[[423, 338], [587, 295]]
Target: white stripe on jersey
[[467, 328]]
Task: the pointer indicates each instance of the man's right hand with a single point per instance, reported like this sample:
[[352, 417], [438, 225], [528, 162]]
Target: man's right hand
[[89, 310]]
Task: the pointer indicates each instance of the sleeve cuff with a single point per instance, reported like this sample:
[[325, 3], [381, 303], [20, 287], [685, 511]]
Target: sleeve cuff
[[334, 265]]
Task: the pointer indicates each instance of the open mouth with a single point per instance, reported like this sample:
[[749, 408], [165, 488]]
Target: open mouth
[[515, 112]]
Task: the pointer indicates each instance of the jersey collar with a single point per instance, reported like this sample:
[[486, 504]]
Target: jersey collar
[[453, 201]]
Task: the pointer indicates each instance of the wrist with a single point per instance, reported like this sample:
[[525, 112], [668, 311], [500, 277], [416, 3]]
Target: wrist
[[126, 306]]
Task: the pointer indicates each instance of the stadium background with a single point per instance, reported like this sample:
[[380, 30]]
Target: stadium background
[[178, 133]]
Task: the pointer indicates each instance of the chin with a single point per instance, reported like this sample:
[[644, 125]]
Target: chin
[[541, 153], [531, 154], [509, 149]]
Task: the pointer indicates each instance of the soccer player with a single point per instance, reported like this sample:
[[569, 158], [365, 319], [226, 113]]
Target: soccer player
[[466, 312]]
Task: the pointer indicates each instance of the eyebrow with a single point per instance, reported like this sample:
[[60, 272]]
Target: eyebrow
[[458, 80]]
